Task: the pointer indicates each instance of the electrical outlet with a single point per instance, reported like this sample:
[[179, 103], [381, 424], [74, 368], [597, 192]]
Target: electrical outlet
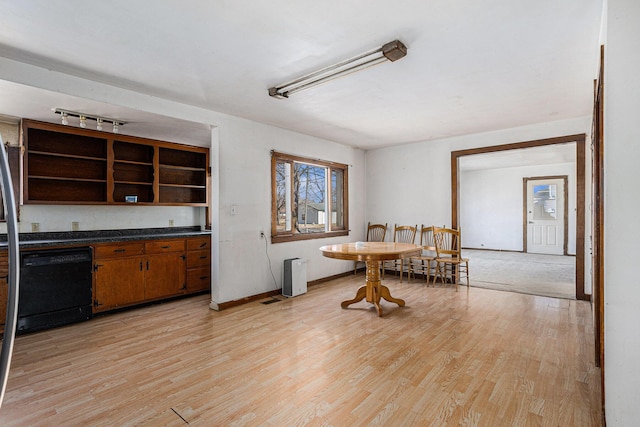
[[170, 223], [75, 226], [262, 234], [35, 227]]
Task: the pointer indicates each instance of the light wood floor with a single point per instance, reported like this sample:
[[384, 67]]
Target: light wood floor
[[474, 357]]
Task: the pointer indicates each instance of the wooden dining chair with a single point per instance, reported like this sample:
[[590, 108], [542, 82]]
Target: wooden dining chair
[[449, 262], [426, 259], [375, 233], [401, 234]]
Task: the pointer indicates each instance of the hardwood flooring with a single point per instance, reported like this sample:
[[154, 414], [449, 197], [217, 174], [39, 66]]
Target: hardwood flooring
[[476, 357]]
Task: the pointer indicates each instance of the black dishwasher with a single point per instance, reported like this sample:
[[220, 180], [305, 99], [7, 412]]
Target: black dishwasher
[[55, 288]]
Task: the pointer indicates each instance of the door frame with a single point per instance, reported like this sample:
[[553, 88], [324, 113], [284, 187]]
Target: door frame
[[525, 180], [579, 139]]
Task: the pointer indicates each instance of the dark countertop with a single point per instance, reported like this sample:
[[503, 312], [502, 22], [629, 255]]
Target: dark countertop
[[86, 238]]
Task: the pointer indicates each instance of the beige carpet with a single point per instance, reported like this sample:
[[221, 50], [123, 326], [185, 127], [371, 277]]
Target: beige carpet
[[544, 275]]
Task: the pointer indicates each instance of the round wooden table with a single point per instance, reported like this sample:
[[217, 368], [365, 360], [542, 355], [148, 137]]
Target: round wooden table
[[372, 253]]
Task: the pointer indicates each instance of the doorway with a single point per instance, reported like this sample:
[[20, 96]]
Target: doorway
[[579, 140], [545, 215]]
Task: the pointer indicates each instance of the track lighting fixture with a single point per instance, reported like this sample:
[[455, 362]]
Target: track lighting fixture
[[391, 51], [65, 114]]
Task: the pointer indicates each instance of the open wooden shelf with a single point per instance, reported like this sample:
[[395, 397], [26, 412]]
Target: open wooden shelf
[[69, 165]]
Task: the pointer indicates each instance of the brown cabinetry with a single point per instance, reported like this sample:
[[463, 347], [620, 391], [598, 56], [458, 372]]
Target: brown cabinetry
[[66, 165], [65, 168], [118, 271], [119, 282], [133, 172], [125, 277], [131, 273], [165, 273], [199, 264]]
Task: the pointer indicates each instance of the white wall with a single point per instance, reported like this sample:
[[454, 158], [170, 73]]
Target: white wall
[[245, 181], [419, 191], [491, 204], [622, 228], [241, 172]]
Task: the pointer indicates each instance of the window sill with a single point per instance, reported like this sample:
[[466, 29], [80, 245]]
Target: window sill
[[280, 238]]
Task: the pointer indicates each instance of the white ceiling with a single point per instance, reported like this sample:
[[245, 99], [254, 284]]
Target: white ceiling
[[472, 66]]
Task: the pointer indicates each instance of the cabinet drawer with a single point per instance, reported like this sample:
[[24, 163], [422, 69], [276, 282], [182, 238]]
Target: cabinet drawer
[[160, 246], [119, 250], [198, 243], [199, 278], [198, 258]]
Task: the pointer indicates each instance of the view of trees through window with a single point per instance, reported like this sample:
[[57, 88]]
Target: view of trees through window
[[309, 196]]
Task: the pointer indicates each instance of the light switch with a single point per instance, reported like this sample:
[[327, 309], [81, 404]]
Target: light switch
[[233, 209]]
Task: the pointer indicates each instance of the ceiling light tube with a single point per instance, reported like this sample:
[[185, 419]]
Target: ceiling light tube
[[391, 51]]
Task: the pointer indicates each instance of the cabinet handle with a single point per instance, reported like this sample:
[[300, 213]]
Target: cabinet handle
[[140, 265], [204, 277], [203, 257], [203, 245], [147, 265], [165, 247], [118, 251]]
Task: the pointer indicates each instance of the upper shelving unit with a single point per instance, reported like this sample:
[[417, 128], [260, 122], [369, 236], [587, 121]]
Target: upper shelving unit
[[65, 168], [65, 165], [133, 171], [183, 176]]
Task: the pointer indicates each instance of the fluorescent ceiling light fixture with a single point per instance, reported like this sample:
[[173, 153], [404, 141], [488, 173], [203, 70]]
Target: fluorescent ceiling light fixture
[[391, 51], [65, 114]]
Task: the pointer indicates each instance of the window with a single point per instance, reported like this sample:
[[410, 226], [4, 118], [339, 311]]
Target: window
[[309, 198]]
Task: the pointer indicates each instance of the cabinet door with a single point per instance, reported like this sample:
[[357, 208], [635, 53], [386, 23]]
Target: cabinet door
[[165, 275], [119, 282]]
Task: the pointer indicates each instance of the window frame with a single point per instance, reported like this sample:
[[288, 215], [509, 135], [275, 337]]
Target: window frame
[[293, 235]]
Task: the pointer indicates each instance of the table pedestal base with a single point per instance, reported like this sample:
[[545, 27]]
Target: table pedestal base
[[374, 290]]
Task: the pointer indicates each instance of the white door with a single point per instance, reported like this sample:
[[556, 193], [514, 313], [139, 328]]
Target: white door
[[545, 216]]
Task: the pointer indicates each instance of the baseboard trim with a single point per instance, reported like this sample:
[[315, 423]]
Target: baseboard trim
[[329, 278], [224, 305], [494, 250]]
